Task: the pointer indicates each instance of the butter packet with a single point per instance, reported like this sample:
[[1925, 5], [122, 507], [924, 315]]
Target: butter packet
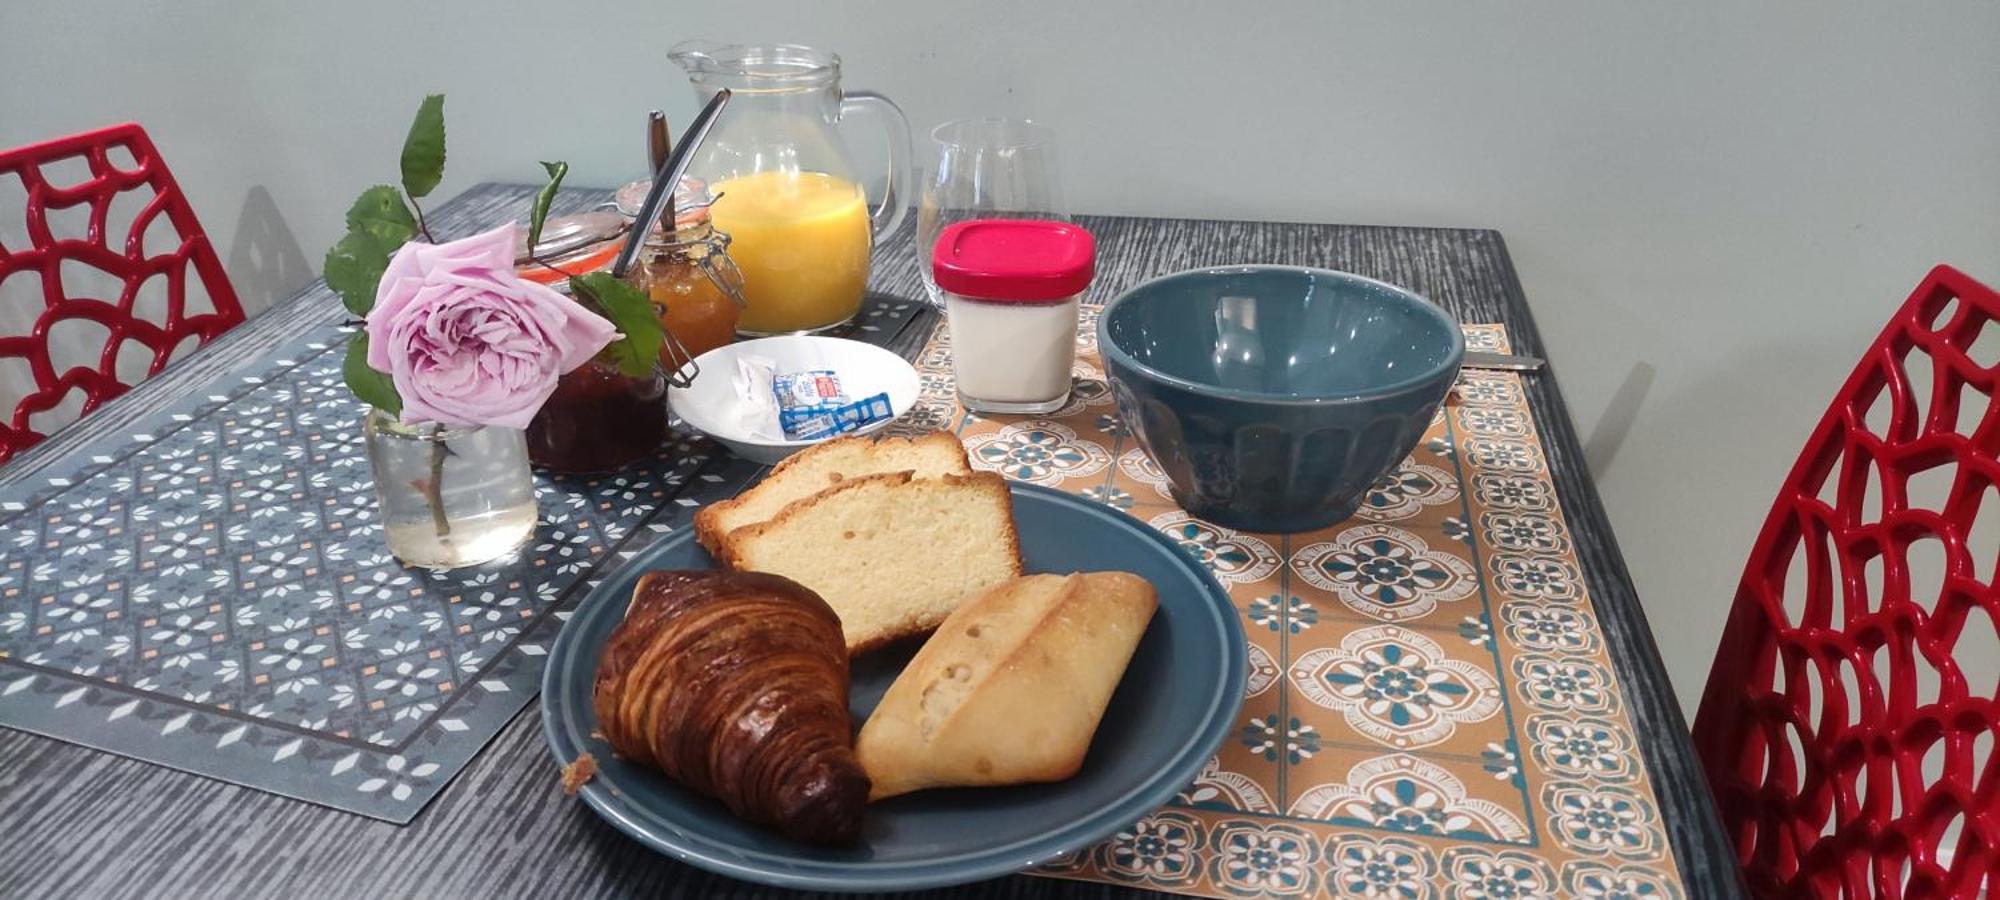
[[812, 405]]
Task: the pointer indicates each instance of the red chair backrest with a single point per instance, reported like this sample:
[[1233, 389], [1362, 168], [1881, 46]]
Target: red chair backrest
[[123, 257], [1849, 718]]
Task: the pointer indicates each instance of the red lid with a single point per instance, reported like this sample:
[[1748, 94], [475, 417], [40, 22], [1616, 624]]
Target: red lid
[[1018, 260]]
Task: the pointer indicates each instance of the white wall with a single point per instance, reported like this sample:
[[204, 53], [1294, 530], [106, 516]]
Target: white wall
[[1713, 205]]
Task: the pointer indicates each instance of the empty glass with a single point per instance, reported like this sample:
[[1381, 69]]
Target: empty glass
[[986, 169]]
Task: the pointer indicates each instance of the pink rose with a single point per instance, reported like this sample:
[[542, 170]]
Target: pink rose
[[469, 342]]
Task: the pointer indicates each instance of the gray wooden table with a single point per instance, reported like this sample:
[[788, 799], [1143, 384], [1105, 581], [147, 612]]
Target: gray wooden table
[[77, 822]]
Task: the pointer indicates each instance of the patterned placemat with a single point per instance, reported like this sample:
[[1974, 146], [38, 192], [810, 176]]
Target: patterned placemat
[[211, 592], [1430, 710]]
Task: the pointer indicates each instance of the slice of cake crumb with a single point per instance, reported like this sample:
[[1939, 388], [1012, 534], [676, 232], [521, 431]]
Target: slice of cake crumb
[[576, 774]]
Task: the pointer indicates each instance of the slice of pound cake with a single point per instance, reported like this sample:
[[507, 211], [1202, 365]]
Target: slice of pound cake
[[892, 554], [820, 467]]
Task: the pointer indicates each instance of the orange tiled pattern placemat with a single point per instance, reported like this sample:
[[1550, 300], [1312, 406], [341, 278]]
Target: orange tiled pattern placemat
[[1430, 711]]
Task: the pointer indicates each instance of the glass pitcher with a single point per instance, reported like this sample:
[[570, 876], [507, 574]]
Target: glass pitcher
[[788, 195]]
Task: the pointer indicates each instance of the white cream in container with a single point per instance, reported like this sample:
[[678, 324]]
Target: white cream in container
[[1012, 287]]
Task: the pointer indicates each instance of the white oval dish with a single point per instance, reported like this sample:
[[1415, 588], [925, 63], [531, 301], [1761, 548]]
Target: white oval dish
[[710, 404]]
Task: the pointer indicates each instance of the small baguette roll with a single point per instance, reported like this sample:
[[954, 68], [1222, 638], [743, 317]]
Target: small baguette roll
[[1011, 688]]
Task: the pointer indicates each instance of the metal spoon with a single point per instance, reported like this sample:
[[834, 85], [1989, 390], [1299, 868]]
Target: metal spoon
[[658, 200], [664, 181], [1505, 362]]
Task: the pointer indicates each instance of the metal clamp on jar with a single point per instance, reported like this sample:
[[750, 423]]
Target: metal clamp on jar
[[684, 266]]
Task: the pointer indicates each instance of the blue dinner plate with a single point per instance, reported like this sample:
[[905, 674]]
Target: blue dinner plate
[[1176, 703]]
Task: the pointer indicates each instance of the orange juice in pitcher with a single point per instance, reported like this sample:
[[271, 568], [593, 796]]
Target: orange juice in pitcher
[[788, 195], [801, 240]]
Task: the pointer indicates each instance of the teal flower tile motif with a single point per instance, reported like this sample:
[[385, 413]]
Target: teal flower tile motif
[[1038, 452], [1279, 613], [1500, 490], [1489, 389], [1396, 686], [1256, 859], [1139, 466], [1490, 338], [1503, 455], [1380, 868], [1476, 631], [1565, 684], [1495, 421], [1600, 821], [1583, 748], [1406, 491], [1409, 794], [1596, 881], [1523, 532], [1233, 557], [1536, 626], [1086, 389], [1545, 578], [1221, 790], [930, 413], [1164, 849], [1477, 873], [1503, 762], [1385, 572], [937, 356], [1296, 741], [1263, 671]]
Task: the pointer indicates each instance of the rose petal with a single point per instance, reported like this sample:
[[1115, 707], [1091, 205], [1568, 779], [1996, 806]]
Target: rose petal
[[467, 341]]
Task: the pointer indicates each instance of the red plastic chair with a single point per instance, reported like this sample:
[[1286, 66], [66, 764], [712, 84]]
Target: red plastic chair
[[1850, 717], [124, 258]]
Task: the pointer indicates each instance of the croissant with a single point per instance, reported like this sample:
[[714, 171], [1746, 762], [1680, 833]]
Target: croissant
[[735, 685]]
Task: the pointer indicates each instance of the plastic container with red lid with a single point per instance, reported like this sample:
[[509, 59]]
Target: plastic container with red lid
[[1012, 287]]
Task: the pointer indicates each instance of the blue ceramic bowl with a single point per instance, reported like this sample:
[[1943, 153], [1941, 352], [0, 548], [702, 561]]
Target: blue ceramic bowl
[[1273, 396]]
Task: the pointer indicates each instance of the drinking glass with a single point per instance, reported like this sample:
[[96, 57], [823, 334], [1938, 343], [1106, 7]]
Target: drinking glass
[[986, 169]]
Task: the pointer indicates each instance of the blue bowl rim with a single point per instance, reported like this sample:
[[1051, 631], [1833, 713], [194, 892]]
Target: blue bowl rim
[[1108, 348]]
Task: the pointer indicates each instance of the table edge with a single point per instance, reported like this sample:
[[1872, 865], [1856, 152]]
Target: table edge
[[1704, 854]]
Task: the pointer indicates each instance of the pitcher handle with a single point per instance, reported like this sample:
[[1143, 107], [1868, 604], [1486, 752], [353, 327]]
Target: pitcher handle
[[888, 214]]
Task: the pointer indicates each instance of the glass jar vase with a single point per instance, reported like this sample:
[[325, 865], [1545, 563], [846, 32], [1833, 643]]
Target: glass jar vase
[[599, 420], [450, 497]]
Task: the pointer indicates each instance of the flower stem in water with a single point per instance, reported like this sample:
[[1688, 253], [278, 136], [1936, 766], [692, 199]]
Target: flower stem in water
[[434, 491]]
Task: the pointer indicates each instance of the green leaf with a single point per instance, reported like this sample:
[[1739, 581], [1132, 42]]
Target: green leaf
[[380, 211], [423, 149], [354, 268], [539, 213], [631, 311], [369, 386]]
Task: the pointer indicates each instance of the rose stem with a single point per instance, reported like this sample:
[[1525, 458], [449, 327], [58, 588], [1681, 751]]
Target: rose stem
[[421, 226], [434, 492]]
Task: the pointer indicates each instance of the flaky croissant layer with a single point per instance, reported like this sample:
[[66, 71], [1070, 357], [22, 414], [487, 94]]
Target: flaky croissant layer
[[735, 685]]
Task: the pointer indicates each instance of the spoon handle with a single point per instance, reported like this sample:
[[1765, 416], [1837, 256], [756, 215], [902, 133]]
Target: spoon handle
[[664, 181], [1475, 359]]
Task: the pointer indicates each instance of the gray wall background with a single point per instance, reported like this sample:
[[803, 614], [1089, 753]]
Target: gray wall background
[[1713, 205]]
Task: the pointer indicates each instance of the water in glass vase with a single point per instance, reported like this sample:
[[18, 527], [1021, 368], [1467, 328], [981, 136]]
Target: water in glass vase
[[450, 497]]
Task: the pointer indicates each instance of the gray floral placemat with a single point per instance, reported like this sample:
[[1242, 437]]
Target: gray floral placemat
[[211, 592]]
